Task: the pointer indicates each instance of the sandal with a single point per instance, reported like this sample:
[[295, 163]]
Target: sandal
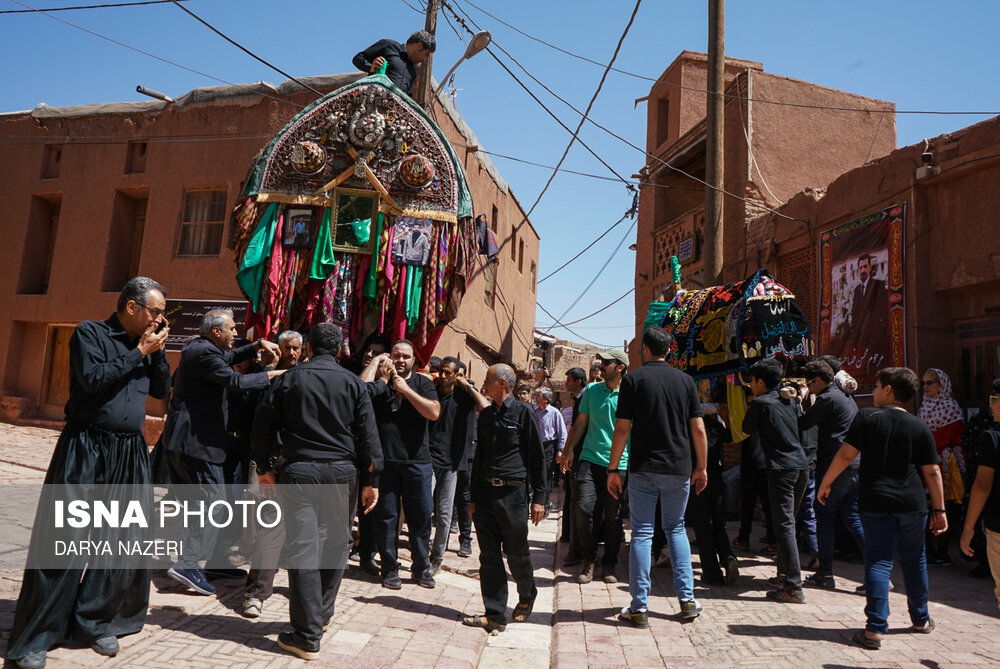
[[864, 641], [523, 609], [926, 629], [484, 623]]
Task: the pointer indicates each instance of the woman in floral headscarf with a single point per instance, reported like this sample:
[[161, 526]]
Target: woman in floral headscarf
[[945, 419]]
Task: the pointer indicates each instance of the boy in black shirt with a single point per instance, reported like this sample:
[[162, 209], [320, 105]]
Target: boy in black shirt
[[775, 420], [898, 459], [985, 497]]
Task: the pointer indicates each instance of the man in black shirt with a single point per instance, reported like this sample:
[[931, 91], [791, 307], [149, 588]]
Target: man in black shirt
[[831, 412], [404, 401], [449, 436], [775, 420], [400, 60], [194, 434], [984, 498], [510, 459], [658, 407], [114, 364], [898, 461], [328, 437]]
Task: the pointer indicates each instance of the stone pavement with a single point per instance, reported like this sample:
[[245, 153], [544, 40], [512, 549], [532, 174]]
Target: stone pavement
[[572, 626]]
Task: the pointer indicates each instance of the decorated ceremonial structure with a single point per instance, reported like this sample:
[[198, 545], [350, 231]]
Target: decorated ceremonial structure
[[357, 213]]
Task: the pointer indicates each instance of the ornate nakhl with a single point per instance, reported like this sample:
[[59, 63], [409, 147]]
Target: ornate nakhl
[[364, 138]]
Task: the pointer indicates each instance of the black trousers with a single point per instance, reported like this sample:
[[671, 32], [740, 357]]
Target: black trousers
[[367, 546], [707, 514], [786, 487], [309, 509], [592, 487], [461, 511], [267, 547], [501, 520], [209, 479], [87, 601], [753, 484]]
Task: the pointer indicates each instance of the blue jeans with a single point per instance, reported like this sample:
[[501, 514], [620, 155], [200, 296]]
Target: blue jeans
[[644, 489], [886, 534], [842, 503]]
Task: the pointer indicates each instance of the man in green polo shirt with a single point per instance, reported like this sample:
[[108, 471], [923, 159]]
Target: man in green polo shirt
[[597, 419]]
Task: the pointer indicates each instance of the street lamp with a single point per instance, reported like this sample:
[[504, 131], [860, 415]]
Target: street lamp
[[480, 41]]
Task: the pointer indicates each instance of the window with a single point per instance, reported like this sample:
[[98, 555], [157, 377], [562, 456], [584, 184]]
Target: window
[[202, 223], [520, 256], [125, 241], [490, 277], [50, 161], [135, 158], [533, 278], [513, 246], [495, 220], [662, 120], [39, 245]]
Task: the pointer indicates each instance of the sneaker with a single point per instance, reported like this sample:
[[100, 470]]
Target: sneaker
[[435, 566], [813, 565], [777, 581], [296, 646], [769, 549], [821, 581], [32, 660], [742, 544], [586, 574], [454, 527], [690, 609], [326, 623], [193, 578], [425, 580], [860, 590], [610, 573], [638, 619], [391, 581], [106, 646], [252, 607], [732, 570], [787, 596], [465, 549]]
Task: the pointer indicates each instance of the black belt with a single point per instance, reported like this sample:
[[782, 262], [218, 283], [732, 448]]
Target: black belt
[[499, 483]]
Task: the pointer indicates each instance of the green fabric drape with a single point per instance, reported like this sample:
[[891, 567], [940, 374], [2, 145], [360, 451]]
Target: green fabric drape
[[250, 275], [323, 261], [414, 291], [371, 282]]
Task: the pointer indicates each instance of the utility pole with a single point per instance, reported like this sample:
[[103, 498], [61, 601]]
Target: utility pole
[[714, 126], [422, 88]]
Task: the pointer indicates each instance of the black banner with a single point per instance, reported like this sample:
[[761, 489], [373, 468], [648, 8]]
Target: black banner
[[185, 318]]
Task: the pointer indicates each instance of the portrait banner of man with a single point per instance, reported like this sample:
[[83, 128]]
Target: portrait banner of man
[[861, 316]]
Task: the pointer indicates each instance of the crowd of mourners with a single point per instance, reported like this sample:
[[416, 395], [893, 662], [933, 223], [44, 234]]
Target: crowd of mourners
[[424, 446]]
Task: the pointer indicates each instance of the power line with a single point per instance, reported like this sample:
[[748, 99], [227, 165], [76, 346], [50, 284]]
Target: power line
[[725, 95], [597, 275], [67, 9], [604, 308], [145, 53], [243, 48], [572, 332], [630, 212], [489, 50], [590, 105], [418, 11]]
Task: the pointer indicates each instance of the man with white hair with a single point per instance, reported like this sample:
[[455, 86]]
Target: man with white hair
[[553, 430], [509, 458], [194, 436], [290, 346]]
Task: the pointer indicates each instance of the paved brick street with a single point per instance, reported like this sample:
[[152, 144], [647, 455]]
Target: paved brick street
[[573, 625]]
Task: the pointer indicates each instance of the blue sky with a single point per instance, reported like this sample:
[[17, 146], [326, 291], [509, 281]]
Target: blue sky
[[920, 55]]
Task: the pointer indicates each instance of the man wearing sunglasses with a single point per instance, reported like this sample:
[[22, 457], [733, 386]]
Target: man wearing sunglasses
[[114, 365]]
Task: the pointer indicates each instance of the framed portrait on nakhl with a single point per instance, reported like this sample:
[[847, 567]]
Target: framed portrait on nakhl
[[298, 231]]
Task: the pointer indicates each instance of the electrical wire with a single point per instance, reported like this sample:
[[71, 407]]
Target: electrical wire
[[631, 212], [725, 95], [604, 308], [571, 331], [243, 48], [67, 9], [598, 274], [612, 133], [418, 11], [146, 53], [590, 105], [489, 50]]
